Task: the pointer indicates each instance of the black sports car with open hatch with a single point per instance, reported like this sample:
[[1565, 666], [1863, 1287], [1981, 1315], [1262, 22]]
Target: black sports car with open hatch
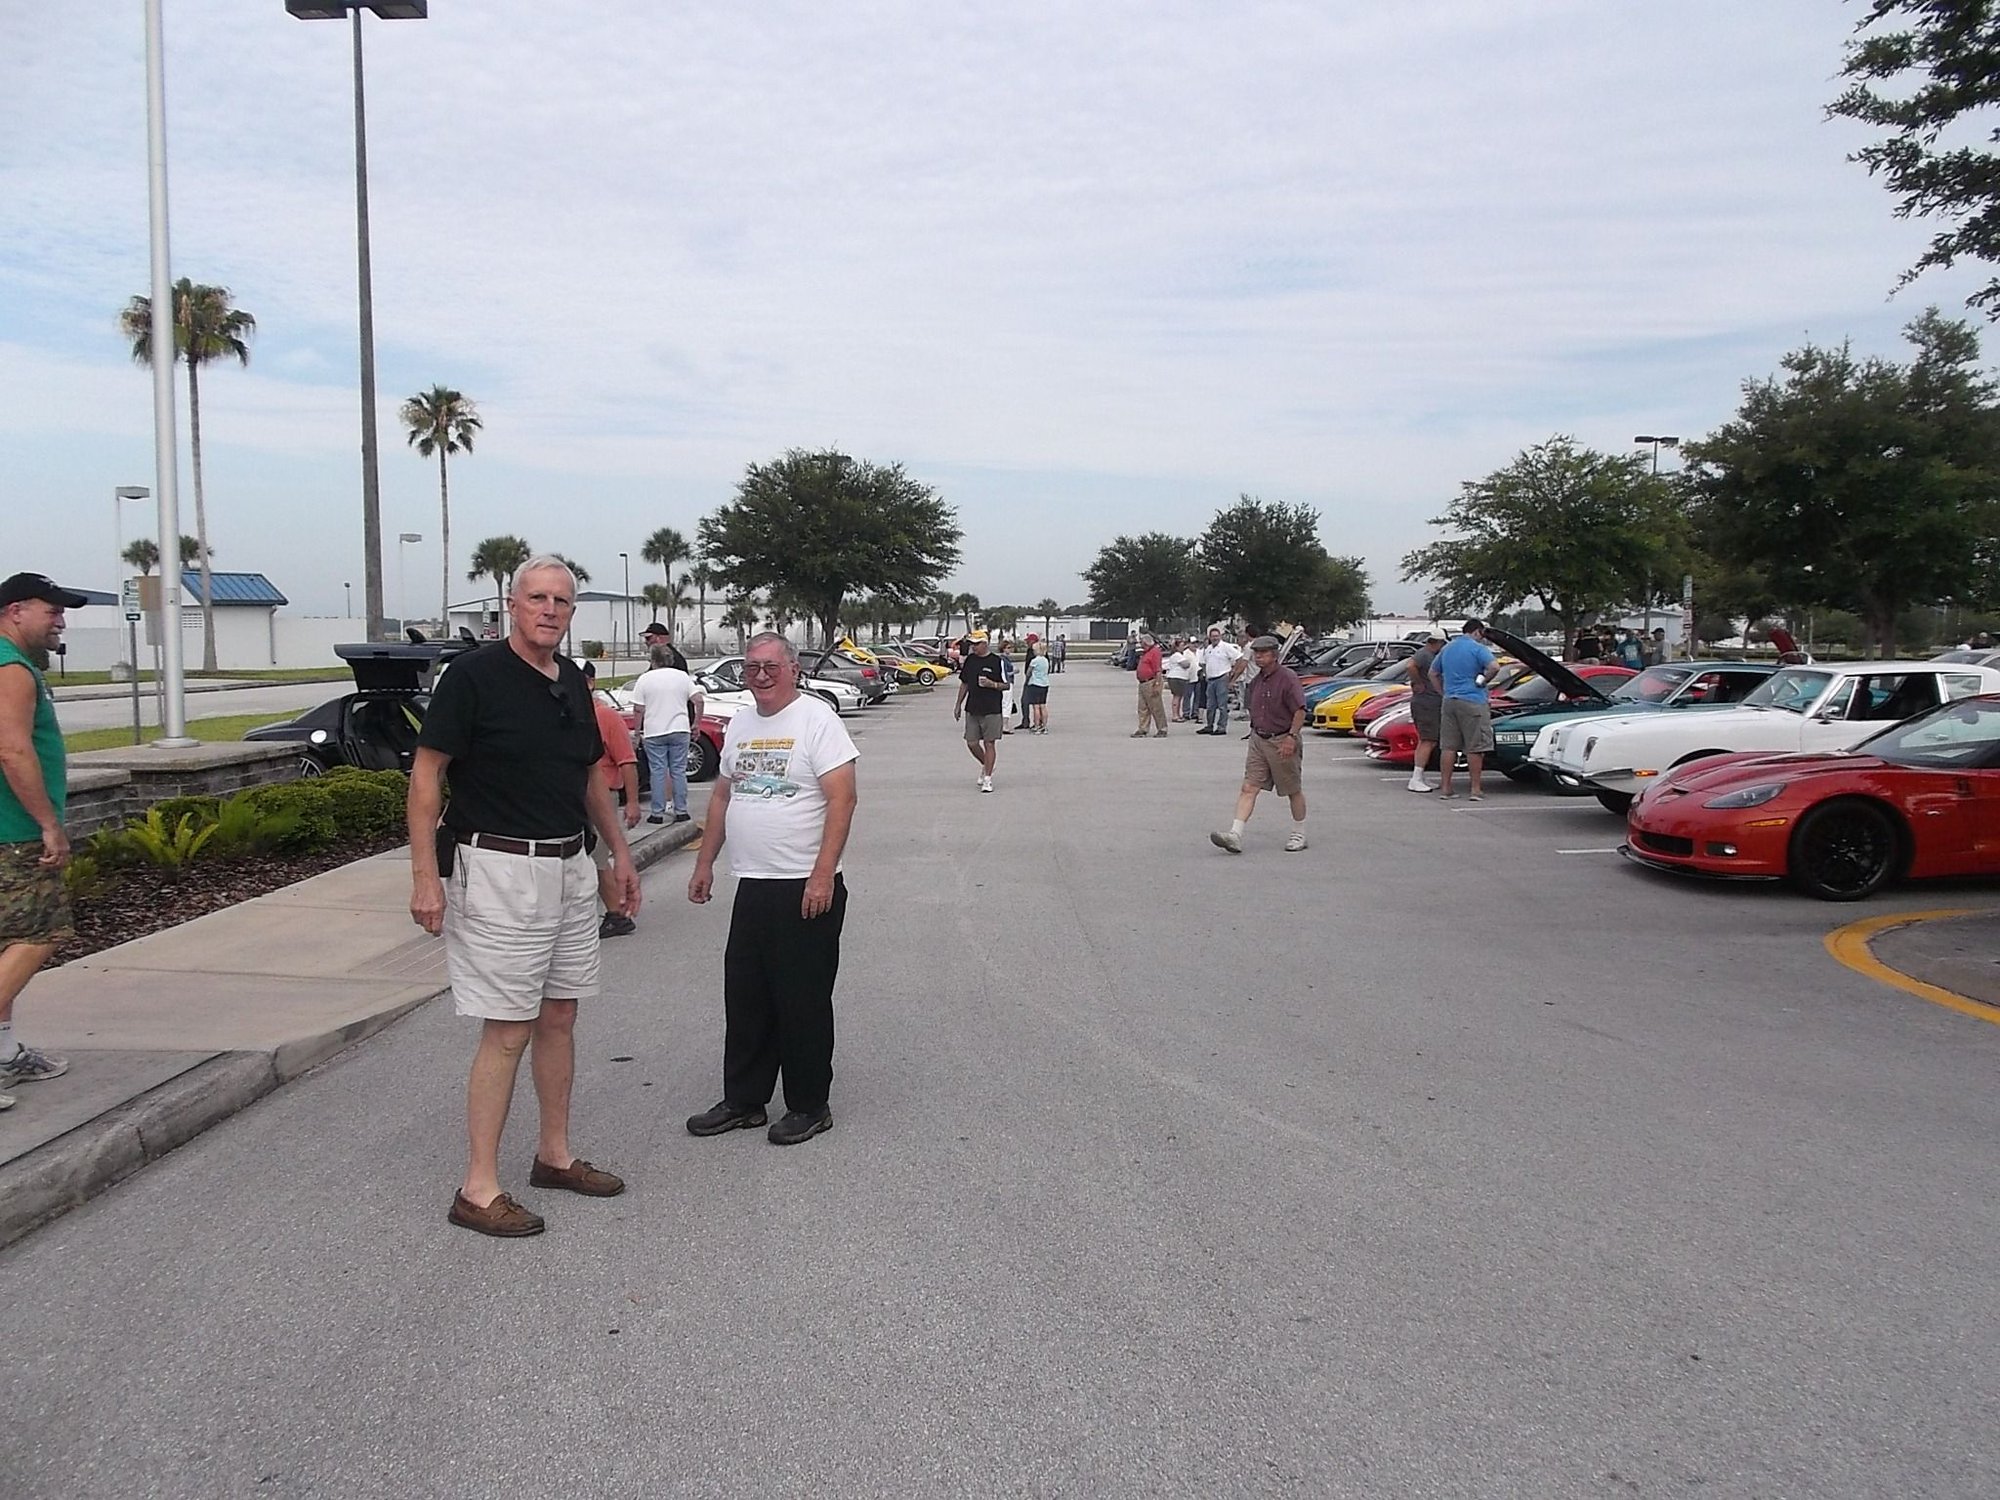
[[375, 727]]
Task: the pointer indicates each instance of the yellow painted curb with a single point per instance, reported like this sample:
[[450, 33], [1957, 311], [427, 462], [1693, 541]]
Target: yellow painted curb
[[1850, 946]]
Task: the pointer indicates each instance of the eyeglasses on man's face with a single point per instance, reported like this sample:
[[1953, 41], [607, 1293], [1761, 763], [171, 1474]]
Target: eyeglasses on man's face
[[764, 668]]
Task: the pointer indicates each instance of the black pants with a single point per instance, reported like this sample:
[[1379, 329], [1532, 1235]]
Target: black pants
[[777, 994]]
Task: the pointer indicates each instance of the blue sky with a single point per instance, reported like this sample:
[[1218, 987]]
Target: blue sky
[[1087, 270]]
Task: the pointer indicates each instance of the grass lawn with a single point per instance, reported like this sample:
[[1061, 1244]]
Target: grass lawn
[[272, 674], [227, 727]]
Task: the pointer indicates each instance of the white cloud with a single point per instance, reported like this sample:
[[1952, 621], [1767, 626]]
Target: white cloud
[[1097, 268]]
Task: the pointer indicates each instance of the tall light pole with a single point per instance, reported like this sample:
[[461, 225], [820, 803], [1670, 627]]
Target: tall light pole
[[626, 559], [350, 599], [1646, 439], [166, 438], [371, 485], [122, 493], [403, 539]]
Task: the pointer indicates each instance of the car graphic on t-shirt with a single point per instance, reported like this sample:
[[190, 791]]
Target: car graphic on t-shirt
[[766, 786]]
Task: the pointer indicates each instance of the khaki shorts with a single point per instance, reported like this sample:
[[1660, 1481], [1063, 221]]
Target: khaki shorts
[[1465, 725], [519, 929], [1265, 767], [984, 727], [34, 903], [1424, 714]]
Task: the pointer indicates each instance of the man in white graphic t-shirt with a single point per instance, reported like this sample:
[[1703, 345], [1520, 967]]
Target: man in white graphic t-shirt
[[669, 703], [783, 802]]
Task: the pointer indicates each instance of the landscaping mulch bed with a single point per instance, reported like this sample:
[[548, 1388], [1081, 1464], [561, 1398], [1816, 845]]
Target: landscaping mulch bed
[[146, 900]]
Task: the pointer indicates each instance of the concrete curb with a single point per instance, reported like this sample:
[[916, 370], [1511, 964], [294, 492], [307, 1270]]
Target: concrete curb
[[96, 692], [79, 1164]]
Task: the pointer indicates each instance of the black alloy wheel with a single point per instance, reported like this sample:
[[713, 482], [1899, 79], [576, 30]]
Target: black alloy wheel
[[1843, 851], [311, 765], [701, 758], [1617, 802]]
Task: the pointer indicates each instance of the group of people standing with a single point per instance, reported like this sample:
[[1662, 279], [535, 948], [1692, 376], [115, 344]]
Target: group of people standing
[[1620, 646], [1190, 683]]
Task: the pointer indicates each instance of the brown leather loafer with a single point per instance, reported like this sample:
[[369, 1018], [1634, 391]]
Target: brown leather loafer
[[578, 1177], [503, 1218]]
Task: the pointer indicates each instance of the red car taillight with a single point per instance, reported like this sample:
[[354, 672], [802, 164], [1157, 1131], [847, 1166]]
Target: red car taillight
[[867, 671]]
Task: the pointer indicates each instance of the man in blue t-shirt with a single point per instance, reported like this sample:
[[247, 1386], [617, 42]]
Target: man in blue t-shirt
[[1465, 721]]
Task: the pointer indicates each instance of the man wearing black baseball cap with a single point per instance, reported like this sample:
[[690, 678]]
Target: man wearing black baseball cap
[[656, 636], [34, 906]]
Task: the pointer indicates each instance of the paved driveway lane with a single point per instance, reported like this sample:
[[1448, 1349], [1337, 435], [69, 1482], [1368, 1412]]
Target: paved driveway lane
[[1429, 1161]]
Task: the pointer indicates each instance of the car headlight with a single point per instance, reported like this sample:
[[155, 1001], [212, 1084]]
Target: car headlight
[[1749, 796]]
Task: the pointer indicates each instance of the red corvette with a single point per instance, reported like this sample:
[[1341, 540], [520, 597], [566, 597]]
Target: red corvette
[[1921, 798], [1392, 738]]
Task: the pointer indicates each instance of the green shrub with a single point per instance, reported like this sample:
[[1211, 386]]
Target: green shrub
[[308, 803], [242, 827], [152, 840], [593, 650], [204, 808], [364, 807], [84, 877]]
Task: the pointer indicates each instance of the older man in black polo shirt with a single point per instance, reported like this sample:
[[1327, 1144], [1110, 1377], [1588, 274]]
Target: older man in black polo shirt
[[1277, 705], [504, 874]]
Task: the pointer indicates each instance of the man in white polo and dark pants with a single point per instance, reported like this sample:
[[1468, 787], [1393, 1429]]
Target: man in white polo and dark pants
[[783, 803], [503, 873]]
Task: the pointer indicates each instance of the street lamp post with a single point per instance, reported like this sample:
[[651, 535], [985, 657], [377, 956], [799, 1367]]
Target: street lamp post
[[121, 494], [626, 559], [1656, 444], [403, 539], [371, 488]]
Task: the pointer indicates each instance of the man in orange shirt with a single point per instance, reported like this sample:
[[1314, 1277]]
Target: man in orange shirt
[[620, 770]]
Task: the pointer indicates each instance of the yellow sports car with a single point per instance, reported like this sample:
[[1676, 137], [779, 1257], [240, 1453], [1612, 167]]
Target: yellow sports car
[[1335, 712]]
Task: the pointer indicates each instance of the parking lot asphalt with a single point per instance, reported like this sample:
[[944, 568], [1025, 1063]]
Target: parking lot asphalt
[[1451, 1157]]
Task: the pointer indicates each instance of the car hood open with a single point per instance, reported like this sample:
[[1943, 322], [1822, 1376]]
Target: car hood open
[[1547, 667]]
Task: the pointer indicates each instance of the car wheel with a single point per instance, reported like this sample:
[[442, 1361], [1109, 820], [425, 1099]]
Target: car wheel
[[927, 677], [1843, 851], [1526, 775], [701, 758], [311, 765], [1618, 802]]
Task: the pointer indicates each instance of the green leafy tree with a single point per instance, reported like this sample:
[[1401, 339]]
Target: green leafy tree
[[441, 422], [664, 548], [1862, 485], [1264, 561], [1576, 530], [810, 525], [144, 554], [498, 558], [741, 617], [206, 328], [1337, 598], [1002, 618], [657, 595], [1938, 70], [1150, 577]]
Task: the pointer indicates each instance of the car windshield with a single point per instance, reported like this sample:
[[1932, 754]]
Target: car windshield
[[1654, 685], [1794, 690], [1957, 736], [1533, 690]]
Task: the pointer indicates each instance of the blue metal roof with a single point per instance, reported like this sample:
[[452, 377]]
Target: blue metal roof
[[231, 588]]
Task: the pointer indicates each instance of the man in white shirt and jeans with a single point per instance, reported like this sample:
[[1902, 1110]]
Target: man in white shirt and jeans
[[1220, 662], [783, 802], [668, 702]]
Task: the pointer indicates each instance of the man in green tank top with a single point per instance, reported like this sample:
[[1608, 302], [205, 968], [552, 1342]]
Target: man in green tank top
[[34, 906]]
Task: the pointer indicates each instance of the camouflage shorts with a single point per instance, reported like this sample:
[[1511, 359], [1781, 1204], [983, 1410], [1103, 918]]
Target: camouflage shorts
[[34, 903]]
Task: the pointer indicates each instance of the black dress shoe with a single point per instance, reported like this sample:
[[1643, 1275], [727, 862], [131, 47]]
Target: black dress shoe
[[682, 817], [801, 1125], [725, 1116], [656, 817], [616, 924]]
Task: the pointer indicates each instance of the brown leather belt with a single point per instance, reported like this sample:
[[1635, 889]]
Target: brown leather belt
[[542, 848]]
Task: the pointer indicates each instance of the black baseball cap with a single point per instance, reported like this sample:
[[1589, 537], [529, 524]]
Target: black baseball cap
[[39, 586], [656, 628]]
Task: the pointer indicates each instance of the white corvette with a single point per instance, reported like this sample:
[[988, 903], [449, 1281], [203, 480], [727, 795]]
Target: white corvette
[[1824, 706]]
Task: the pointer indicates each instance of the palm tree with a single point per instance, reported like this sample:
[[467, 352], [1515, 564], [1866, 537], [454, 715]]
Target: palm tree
[[666, 547], [582, 576], [943, 604], [497, 558], [701, 575], [206, 328], [1047, 609], [656, 595], [442, 421], [967, 605], [741, 617], [143, 554]]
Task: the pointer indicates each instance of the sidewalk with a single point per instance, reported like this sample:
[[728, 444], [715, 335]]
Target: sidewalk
[[85, 691], [172, 1032]]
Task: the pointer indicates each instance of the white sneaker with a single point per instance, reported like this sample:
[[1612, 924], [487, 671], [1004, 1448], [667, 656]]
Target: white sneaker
[[1421, 786], [6, 1101], [1231, 841], [986, 783], [1295, 843]]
